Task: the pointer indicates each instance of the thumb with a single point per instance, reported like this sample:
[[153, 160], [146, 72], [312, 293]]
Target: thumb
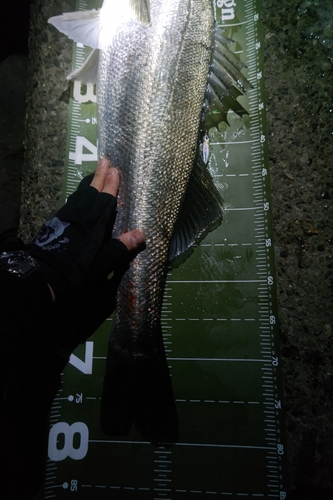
[[133, 239]]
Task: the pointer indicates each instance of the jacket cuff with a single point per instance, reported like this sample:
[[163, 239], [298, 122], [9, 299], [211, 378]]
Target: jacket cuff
[[24, 300]]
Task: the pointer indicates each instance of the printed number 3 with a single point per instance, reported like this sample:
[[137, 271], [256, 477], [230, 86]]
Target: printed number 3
[[59, 452]]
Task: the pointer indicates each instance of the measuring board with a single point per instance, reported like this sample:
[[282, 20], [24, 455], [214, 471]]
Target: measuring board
[[219, 328]]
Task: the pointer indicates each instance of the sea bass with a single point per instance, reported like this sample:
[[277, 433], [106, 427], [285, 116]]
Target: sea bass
[[159, 65]]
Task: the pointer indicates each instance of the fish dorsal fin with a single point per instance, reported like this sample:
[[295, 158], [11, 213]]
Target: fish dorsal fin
[[225, 83], [225, 71], [95, 28], [202, 209]]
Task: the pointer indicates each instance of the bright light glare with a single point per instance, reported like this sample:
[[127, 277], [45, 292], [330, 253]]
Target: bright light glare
[[112, 14]]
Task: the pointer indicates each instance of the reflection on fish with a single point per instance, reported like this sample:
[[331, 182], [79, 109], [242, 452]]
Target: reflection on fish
[[159, 68]]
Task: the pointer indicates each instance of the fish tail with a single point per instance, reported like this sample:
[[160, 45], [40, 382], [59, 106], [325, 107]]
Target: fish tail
[[117, 404], [155, 411], [137, 389]]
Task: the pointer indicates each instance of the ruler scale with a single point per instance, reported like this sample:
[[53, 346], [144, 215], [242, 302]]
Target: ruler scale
[[219, 328]]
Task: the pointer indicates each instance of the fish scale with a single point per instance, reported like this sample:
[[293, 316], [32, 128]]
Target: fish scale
[[218, 322], [153, 179]]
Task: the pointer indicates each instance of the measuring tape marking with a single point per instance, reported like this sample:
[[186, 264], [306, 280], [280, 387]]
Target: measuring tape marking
[[257, 161]]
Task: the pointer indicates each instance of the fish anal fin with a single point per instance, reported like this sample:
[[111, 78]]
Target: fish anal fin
[[202, 210]]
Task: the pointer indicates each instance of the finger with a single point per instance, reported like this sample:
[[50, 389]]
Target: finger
[[133, 239], [111, 184], [101, 173]]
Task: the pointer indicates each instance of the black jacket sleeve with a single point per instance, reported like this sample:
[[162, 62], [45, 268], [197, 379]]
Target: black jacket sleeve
[[23, 304], [24, 307], [37, 339]]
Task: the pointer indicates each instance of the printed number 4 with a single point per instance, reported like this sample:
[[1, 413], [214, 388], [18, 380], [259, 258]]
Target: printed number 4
[[78, 156]]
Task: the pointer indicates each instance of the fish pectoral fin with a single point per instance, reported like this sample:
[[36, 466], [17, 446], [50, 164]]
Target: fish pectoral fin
[[95, 28], [202, 210], [87, 73], [83, 27]]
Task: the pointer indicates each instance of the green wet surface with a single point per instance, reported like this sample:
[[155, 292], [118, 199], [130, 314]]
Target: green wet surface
[[219, 330]]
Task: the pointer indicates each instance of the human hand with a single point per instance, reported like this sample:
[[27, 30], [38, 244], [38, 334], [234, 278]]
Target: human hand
[[106, 180], [75, 248]]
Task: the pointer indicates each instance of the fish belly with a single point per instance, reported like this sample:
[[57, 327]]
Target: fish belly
[[151, 88]]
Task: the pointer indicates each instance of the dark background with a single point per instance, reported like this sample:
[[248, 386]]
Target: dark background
[[299, 75], [13, 83], [15, 28]]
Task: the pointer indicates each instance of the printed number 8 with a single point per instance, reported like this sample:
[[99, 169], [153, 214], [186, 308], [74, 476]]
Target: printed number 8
[[74, 485], [68, 450]]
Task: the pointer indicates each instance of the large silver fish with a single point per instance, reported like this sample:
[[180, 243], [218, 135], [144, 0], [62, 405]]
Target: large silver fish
[[161, 64]]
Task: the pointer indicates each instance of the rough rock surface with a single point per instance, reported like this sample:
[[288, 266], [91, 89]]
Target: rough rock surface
[[298, 69], [13, 77], [47, 115], [299, 75]]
